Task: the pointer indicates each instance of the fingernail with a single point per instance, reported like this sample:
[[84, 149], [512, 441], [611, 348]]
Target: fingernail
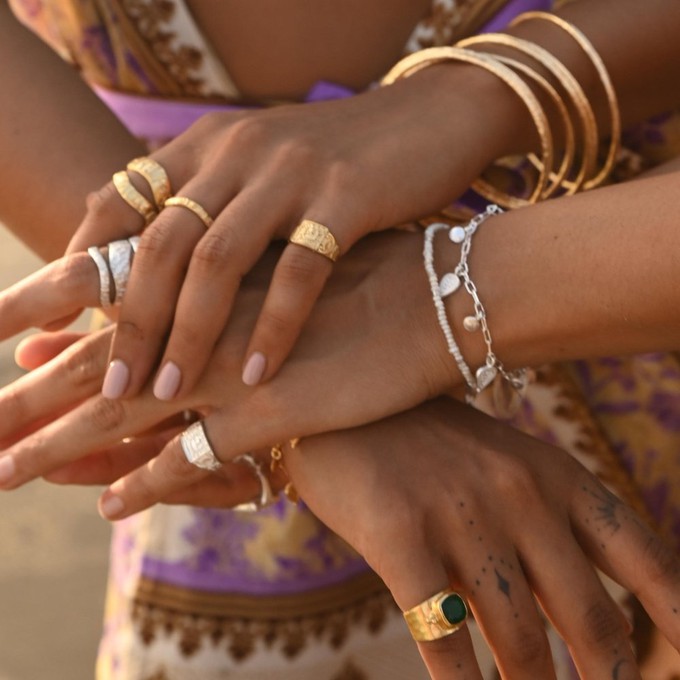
[[110, 507], [167, 382], [254, 369], [7, 469], [116, 379]]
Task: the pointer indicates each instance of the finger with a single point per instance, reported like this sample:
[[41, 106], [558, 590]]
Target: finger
[[167, 474], [576, 602], [52, 388], [628, 551], [155, 282], [104, 467], [298, 280], [413, 577], [36, 350], [56, 291], [94, 425], [503, 604], [224, 255]]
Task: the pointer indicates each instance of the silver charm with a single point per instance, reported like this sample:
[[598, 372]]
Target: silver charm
[[449, 284], [485, 376], [471, 323]]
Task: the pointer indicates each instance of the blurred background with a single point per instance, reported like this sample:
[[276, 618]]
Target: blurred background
[[53, 554]]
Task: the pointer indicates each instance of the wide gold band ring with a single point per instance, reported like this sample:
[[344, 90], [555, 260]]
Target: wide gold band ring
[[195, 208], [133, 198], [155, 175], [438, 616], [316, 237]]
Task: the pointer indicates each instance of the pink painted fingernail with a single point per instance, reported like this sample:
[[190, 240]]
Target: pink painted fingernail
[[254, 369], [167, 382], [111, 506], [116, 379], [7, 469]]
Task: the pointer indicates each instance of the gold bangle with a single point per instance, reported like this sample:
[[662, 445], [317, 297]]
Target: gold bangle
[[154, 173], [556, 178], [557, 69], [419, 60], [607, 84], [137, 201]]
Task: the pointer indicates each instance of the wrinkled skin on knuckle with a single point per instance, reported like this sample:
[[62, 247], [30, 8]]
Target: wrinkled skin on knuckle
[[515, 482], [602, 624], [155, 245], [107, 415], [660, 562], [84, 365], [13, 406], [98, 203], [215, 251], [527, 648], [299, 266], [128, 331]]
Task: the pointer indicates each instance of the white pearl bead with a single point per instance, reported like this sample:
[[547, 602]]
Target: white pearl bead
[[471, 323], [457, 234]]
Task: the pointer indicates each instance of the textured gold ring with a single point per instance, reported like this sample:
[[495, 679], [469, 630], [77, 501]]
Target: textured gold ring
[[156, 176], [133, 198], [440, 615], [195, 208], [316, 237]]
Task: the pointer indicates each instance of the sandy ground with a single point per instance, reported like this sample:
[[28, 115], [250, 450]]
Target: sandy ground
[[53, 553]]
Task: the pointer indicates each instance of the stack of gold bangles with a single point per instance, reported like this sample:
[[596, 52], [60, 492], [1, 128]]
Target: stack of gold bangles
[[574, 111]]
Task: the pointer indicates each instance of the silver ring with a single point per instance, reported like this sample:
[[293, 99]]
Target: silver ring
[[197, 449], [120, 259], [104, 276], [267, 496], [134, 242]]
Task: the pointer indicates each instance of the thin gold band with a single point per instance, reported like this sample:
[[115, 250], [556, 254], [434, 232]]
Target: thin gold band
[[607, 84], [133, 198], [316, 237], [419, 60], [189, 204], [155, 175]]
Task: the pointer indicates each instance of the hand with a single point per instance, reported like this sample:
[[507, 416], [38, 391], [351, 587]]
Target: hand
[[372, 347], [444, 495], [347, 164]]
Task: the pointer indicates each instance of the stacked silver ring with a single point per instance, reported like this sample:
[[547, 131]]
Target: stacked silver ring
[[197, 448], [114, 271]]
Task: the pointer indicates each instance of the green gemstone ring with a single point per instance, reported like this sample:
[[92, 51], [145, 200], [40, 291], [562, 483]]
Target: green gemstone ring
[[440, 615]]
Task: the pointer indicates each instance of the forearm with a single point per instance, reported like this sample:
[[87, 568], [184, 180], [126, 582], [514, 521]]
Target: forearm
[[57, 141], [591, 275]]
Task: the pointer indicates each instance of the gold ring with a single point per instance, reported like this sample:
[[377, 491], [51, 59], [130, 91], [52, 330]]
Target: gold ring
[[317, 237], [438, 616], [133, 198], [154, 173], [276, 464], [195, 208]]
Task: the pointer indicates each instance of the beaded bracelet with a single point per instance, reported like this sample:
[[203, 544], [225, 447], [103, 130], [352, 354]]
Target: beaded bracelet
[[492, 369]]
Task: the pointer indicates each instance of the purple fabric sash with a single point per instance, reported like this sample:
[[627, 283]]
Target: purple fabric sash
[[162, 119]]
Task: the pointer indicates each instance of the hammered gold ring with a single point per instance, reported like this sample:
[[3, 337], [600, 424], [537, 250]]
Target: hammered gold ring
[[195, 208], [155, 175], [440, 615], [316, 237], [133, 198]]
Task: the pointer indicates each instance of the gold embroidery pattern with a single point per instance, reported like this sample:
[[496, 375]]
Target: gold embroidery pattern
[[240, 636], [182, 61]]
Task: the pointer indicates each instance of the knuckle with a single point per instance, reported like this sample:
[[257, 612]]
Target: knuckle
[[514, 480], [156, 243], [74, 273], [298, 268], [215, 249], [529, 648], [249, 131], [274, 324], [107, 414], [84, 366], [661, 564], [14, 406], [342, 176], [99, 202], [129, 331], [177, 468], [601, 623]]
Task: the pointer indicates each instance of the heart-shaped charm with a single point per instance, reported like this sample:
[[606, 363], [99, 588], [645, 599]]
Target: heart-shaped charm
[[485, 376], [450, 283]]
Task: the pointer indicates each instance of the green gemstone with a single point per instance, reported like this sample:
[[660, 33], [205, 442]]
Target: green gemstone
[[454, 609]]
